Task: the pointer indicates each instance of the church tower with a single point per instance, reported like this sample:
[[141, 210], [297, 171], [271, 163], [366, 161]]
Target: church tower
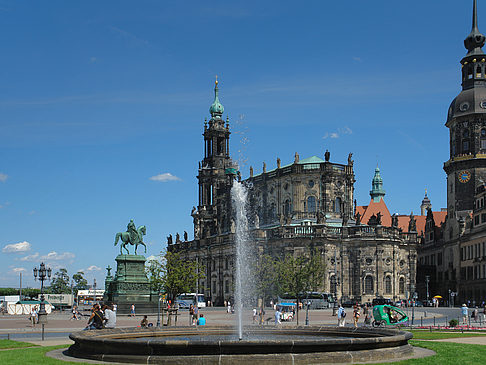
[[466, 120], [215, 175], [377, 193]]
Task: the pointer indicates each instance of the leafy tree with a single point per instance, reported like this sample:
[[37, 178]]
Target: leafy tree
[[60, 282], [80, 283], [265, 275], [297, 275], [173, 274]]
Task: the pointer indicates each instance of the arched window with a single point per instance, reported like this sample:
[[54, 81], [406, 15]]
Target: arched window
[[287, 207], [478, 72], [465, 146], [337, 205], [483, 139], [401, 285], [368, 285], [388, 285], [311, 204], [470, 72]]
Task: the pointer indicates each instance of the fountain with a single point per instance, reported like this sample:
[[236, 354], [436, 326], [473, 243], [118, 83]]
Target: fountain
[[243, 274], [251, 344]]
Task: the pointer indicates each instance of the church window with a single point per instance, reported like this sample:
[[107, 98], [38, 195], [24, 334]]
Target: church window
[[273, 211], [388, 285], [465, 146], [401, 285], [465, 133], [220, 150], [483, 132], [311, 204], [478, 71], [469, 72], [311, 183], [226, 286], [337, 205], [368, 284]]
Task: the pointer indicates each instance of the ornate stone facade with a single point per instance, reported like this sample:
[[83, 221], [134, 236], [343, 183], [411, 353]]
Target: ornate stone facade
[[295, 209]]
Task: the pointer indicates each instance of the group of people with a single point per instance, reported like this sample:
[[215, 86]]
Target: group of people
[[474, 314], [341, 314], [101, 317], [196, 319]]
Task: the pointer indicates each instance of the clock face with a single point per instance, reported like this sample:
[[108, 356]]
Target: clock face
[[464, 176]]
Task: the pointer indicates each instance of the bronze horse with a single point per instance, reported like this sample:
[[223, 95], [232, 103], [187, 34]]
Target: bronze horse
[[125, 237]]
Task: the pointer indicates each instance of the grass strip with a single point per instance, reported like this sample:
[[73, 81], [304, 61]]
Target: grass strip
[[9, 344], [435, 335], [32, 355]]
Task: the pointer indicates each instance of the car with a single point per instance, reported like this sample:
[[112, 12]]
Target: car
[[382, 301], [418, 303], [348, 303], [428, 303]]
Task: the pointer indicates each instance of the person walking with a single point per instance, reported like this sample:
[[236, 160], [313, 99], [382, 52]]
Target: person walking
[[229, 306], [195, 315], [366, 313], [277, 317], [475, 314], [341, 316], [356, 315], [254, 315], [464, 311], [33, 316], [132, 310], [191, 315]]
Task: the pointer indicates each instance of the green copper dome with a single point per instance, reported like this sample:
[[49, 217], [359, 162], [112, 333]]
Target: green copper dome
[[377, 193], [216, 108]]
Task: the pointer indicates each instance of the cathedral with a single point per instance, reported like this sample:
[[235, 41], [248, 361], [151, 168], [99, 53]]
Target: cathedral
[[296, 208]]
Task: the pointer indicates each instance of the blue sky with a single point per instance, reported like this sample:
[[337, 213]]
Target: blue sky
[[98, 97]]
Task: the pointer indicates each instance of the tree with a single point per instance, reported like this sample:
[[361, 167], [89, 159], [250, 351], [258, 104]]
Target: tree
[[80, 283], [60, 282], [297, 275], [265, 275], [173, 274]]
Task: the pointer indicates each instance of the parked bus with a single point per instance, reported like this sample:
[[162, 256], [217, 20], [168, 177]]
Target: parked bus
[[317, 300], [185, 300]]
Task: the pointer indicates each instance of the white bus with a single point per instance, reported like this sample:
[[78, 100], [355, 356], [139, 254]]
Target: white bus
[[185, 300]]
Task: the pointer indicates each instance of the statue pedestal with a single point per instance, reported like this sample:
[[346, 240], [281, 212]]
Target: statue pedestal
[[130, 286]]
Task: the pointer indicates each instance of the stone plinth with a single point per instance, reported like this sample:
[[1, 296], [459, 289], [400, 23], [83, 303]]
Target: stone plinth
[[130, 285]]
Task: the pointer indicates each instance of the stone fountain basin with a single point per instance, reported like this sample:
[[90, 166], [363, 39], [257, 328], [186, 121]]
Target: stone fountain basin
[[219, 345]]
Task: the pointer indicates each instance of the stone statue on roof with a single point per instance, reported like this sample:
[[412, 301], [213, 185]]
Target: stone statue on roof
[[412, 223], [395, 220], [327, 155], [378, 219], [350, 160], [358, 219]]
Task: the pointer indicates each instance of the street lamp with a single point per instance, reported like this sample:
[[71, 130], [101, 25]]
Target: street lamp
[[42, 273], [427, 279], [158, 310]]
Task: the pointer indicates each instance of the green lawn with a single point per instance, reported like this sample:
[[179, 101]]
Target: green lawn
[[31, 356], [9, 344], [436, 335], [448, 354]]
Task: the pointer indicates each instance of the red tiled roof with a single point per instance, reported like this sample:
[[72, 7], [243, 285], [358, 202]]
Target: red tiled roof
[[366, 211], [374, 208]]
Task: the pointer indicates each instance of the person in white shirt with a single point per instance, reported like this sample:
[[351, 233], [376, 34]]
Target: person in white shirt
[[110, 317]]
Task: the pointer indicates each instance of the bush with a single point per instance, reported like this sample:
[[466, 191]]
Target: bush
[[453, 323]]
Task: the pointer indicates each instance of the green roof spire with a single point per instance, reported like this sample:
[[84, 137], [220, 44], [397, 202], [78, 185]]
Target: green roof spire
[[216, 108], [377, 193]]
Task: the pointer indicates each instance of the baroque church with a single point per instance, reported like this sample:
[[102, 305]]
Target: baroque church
[[452, 258], [297, 208]]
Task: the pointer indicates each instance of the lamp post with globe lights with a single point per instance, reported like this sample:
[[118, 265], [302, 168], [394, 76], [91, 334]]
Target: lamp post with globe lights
[[42, 273]]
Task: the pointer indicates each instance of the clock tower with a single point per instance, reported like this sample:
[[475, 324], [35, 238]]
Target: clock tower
[[466, 120]]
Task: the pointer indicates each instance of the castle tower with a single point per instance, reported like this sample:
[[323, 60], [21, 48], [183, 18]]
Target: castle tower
[[466, 120], [215, 175], [377, 193], [425, 204]]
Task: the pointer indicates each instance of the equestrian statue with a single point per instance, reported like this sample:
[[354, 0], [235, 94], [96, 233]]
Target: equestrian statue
[[132, 236]]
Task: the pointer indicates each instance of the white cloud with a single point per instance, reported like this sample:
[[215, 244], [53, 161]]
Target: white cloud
[[67, 257], [18, 269], [20, 247], [32, 257], [93, 59], [357, 59], [152, 257], [338, 133], [167, 176], [54, 256], [3, 177], [93, 268]]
